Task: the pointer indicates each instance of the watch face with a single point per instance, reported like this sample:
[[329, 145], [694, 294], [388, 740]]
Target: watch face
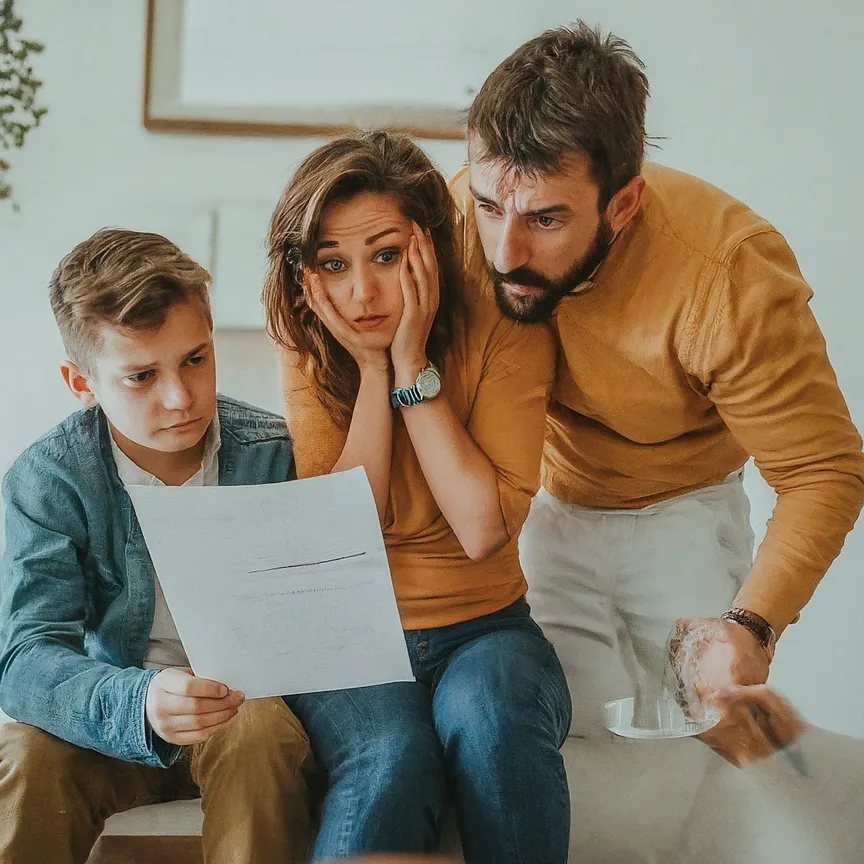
[[429, 383]]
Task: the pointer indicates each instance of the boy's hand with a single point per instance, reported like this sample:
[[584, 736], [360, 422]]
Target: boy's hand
[[182, 709]]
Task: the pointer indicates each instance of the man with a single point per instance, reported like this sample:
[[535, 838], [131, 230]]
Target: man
[[687, 346]]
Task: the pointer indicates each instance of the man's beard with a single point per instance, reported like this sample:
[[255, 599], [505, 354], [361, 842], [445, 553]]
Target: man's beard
[[534, 308]]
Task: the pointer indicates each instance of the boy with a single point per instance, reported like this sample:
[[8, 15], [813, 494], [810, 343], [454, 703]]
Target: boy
[[90, 661]]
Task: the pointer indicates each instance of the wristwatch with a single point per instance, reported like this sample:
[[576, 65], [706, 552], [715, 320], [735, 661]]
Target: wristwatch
[[426, 387], [756, 624]]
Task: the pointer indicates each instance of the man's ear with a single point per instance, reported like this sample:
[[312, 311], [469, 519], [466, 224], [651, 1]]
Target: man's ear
[[625, 204], [78, 383]]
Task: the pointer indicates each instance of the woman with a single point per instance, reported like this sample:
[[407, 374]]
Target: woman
[[392, 364]]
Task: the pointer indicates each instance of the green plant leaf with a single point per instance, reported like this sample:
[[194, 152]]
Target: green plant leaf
[[18, 114]]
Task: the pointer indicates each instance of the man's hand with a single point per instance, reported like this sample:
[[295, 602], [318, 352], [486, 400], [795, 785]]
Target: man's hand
[[182, 709], [709, 654], [756, 723], [722, 664]]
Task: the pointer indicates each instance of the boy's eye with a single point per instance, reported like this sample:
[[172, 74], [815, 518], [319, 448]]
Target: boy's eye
[[140, 377], [334, 265], [197, 360], [488, 209]]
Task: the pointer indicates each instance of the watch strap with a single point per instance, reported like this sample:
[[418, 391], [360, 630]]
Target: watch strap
[[756, 624], [405, 397]]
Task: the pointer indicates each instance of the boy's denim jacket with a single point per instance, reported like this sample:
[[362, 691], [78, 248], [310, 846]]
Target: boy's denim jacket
[[77, 585]]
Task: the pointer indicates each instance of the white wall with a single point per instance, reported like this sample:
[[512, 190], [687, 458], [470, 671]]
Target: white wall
[[763, 99]]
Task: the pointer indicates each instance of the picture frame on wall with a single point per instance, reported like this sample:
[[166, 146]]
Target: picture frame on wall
[[258, 68]]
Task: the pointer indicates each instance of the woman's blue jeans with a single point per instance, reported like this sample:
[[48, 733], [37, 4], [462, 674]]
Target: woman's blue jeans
[[484, 722]]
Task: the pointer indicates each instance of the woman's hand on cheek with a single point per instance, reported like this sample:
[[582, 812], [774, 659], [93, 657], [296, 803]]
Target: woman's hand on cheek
[[350, 339], [418, 276]]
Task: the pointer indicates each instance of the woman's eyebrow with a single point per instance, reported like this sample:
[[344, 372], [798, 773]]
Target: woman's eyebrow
[[380, 234], [332, 244]]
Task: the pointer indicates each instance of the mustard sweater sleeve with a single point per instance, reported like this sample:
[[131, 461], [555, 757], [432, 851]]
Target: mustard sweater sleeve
[[765, 366], [508, 416]]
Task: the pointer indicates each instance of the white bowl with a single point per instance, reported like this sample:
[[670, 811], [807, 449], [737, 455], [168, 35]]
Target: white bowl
[[669, 721]]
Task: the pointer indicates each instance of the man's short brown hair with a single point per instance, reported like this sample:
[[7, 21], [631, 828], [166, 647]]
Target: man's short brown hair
[[123, 279], [571, 89]]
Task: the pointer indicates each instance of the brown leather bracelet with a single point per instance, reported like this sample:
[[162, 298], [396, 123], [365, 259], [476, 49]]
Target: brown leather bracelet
[[757, 625]]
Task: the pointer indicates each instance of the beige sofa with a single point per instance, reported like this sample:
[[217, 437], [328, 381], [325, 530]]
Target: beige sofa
[[673, 803]]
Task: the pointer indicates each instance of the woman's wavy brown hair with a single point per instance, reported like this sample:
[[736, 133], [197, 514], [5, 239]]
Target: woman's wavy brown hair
[[379, 162]]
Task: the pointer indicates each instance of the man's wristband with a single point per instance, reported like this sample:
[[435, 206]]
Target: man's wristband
[[756, 624]]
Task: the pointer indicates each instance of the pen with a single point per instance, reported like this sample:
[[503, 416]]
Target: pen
[[792, 752]]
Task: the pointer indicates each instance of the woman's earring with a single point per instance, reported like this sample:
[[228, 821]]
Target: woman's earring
[[294, 259]]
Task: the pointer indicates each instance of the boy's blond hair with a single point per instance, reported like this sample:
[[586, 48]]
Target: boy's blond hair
[[123, 279]]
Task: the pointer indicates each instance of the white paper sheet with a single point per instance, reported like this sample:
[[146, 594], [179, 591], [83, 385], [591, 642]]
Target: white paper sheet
[[280, 588]]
